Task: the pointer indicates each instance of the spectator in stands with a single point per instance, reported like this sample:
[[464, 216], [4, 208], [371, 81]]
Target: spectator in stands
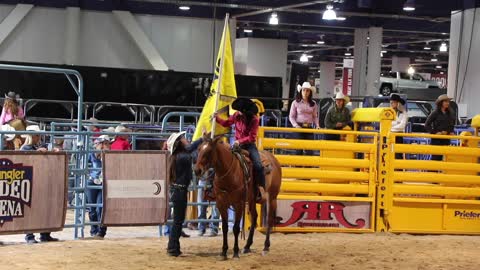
[[93, 128], [121, 141], [11, 109], [18, 125], [304, 113], [338, 116], [398, 125], [7, 138], [180, 176], [441, 121], [34, 143], [94, 196]]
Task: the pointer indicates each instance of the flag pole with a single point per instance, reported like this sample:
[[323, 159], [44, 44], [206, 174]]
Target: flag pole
[[220, 73]]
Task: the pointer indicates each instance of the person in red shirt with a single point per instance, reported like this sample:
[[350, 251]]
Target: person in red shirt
[[246, 127], [121, 141]]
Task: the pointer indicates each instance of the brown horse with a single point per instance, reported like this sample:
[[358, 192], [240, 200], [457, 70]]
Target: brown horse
[[230, 190]]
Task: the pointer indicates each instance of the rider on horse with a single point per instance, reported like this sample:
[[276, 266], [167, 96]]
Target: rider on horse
[[246, 127]]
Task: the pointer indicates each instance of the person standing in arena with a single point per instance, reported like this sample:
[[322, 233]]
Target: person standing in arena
[[304, 113], [399, 124], [441, 122], [180, 176]]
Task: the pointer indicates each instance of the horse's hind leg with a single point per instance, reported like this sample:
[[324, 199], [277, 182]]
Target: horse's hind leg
[[271, 208], [253, 219], [236, 230], [224, 214]]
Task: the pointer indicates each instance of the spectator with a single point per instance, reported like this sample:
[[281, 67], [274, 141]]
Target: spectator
[[304, 113], [93, 128], [398, 125], [11, 109], [33, 143], [121, 141], [7, 138], [338, 116], [441, 122], [94, 196]]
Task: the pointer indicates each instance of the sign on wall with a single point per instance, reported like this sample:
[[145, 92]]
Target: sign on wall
[[347, 76], [323, 214], [33, 192], [135, 188]]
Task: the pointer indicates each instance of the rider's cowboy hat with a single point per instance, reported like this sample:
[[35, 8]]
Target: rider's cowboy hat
[[245, 105], [442, 98], [340, 95], [6, 128], [305, 85], [395, 97], [172, 141]]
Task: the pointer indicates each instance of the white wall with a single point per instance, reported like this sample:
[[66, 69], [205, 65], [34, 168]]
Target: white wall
[[186, 44]]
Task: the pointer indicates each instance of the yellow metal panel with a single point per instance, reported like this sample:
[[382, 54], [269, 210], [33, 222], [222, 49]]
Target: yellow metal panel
[[436, 165], [302, 186], [322, 161], [428, 200], [476, 121], [314, 145], [436, 150], [373, 114], [435, 190], [416, 217], [287, 196], [436, 178], [314, 131], [464, 218], [313, 173]]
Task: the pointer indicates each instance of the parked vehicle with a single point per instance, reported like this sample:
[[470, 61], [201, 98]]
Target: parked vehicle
[[392, 82]]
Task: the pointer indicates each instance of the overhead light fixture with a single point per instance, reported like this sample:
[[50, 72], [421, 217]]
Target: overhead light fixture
[[320, 42], [347, 53], [434, 60], [438, 66], [384, 51], [247, 30], [443, 47], [409, 5], [310, 56], [329, 13], [184, 8], [341, 18], [411, 70], [304, 58], [442, 73], [273, 19], [427, 48]]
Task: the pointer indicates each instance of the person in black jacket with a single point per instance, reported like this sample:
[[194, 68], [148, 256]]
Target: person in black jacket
[[180, 170], [441, 121]]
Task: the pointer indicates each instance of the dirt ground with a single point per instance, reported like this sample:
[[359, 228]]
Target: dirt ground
[[289, 251]]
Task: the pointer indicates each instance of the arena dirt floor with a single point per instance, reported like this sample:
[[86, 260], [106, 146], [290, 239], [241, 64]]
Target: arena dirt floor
[[141, 248]]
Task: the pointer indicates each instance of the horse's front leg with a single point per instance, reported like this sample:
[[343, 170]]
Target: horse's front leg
[[236, 228], [224, 214]]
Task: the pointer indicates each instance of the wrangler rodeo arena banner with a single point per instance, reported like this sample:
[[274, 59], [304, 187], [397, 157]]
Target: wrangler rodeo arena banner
[[135, 188], [33, 192]]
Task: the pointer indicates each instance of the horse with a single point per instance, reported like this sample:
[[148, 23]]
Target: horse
[[232, 190]]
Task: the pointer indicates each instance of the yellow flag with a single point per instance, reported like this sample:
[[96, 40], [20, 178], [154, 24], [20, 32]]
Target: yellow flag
[[224, 82]]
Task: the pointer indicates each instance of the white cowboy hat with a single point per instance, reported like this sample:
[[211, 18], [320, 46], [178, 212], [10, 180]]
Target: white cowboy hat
[[305, 85], [102, 138], [121, 128], [31, 128], [109, 130], [171, 142], [6, 128], [340, 95]]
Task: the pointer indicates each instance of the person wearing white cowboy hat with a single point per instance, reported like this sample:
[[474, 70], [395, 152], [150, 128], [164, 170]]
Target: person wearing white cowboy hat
[[94, 196], [304, 113], [121, 141], [33, 143], [180, 177], [441, 121], [11, 109], [7, 138], [398, 125], [338, 116]]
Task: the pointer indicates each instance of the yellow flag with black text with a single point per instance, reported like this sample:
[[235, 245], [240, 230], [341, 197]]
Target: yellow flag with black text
[[224, 82]]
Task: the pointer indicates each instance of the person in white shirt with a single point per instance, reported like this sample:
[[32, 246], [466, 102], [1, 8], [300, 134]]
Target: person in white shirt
[[399, 124]]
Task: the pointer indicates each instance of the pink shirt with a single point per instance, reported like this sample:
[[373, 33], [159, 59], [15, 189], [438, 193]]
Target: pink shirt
[[243, 133], [302, 113], [8, 116]]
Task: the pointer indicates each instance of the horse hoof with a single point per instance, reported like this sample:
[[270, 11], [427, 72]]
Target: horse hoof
[[265, 253], [223, 258], [247, 250], [236, 257]]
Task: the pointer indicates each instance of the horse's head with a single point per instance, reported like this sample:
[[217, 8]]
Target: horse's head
[[206, 155]]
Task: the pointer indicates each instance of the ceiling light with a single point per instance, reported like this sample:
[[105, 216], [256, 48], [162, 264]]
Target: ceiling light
[[184, 8], [273, 19], [442, 73], [428, 48], [384, 51], [310, 56], [329, 13], [321, 42], [434, 60], [443, 47], [304, 58], [438, 66], [348, 54], [411, 70], [247, 30], [409, 5], [341, 18]]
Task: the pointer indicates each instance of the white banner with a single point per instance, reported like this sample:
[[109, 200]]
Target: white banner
[[126, 189]]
